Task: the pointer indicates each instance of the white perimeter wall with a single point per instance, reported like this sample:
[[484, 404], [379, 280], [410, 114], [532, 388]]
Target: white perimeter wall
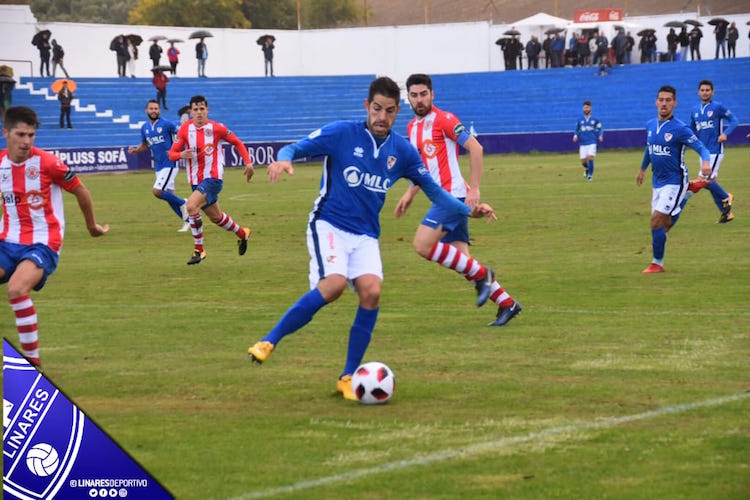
[[396, 51]]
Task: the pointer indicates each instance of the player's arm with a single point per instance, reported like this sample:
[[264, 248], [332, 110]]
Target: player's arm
[[242, 150], [476, 151], [644, 165], [576, 131], [695, 144], [600, 131], [733, 122], [405, 201], [139, 148], [86, 204], [177, 151]]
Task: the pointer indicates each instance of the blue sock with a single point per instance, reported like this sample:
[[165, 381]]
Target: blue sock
[[296, 316], [590, 169], [359, 338], [174, 201], [718, 194], [658, 242]]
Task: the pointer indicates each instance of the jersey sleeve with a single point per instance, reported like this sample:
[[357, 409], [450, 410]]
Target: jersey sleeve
[[691, 141], [179, 143], [59, 172]]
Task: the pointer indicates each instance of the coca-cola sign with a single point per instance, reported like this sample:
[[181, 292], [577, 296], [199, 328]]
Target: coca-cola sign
[[597, 15]]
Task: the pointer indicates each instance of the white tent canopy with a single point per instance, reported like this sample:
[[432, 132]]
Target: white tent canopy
[[542, 20]]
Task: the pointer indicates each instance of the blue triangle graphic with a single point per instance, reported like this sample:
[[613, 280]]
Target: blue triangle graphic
[[51, 449]]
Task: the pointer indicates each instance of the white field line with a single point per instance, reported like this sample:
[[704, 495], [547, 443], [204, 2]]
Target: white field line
[[492, 446]]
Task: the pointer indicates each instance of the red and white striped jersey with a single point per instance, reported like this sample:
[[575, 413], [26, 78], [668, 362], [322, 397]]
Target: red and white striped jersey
[[33, 199], [207, 161], [435, 137]]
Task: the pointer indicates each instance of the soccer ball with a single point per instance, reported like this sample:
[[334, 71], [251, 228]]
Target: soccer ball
[[373, 383]]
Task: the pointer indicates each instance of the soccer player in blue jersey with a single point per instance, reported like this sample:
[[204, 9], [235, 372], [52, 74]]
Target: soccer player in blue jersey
[[158, 134], [708, 120], [666, 140], [588, 132], [362, 160]]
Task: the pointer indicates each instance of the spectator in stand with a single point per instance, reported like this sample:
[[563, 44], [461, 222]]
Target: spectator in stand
[[558, 49], [720, 30], [173, 55], [533, 48], [572, 55], [520, 52], [154, 53], [160, 81], [513, 50], [57, 58], [602, 47], [732, 36], [672, 41], [44, 53], [201, 54], [651, 45], [547, 48], [684, 43], [267, 49], [65, 96], [120, 47], [132, 56], [695, 36], [584, 52], [629, 48], [619, 44], [605, 66]]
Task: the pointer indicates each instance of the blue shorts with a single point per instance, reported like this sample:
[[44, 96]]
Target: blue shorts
[[11, 254], [457, 225], [211, 188]]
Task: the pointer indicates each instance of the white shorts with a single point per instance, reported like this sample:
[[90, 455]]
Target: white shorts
[[715, 162], [586, 151], [333, 251], [667, 199], [165, 178]]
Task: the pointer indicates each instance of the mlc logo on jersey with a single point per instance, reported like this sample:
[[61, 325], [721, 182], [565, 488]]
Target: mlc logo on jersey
[[52, 450], [355, 178]]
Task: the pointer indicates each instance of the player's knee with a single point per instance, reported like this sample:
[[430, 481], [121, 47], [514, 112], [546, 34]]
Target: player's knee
[[157, 192], [423, 249]]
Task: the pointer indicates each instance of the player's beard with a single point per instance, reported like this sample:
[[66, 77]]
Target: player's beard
[[422, 110], [154, 116]]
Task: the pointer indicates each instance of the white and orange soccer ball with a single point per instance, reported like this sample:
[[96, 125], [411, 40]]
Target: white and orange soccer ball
[[373, 383]]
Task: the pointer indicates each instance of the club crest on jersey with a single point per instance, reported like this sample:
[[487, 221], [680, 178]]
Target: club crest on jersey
[[159, 129], [667, 137], [331, 259], [359, 152], [429, 149], [208, 132], [32, 173], [710, 114], [428, 125], [391, 162]]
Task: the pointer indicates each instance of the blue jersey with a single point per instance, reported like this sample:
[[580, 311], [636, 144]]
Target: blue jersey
[[588, 130], [159, 136], [665, 151], [707, 121], [358, 170]]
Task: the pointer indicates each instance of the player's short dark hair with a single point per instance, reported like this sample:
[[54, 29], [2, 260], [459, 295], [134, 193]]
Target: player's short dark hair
[[197, 99], [20, 114], [386, 87], [667, 88], [706, 82], [419, 79], [587, 103], [152, 100]]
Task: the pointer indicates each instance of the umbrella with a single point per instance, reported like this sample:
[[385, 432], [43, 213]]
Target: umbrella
[[554, 31], [175, 40], [57, 85], [156, 38], [262, 39], [38, 37], [718, 20], [136, 39], [512, 32], [6, 79], [200, 34], [694, 23], [645, 32], [161, 68], [502, 41], [674, 24]]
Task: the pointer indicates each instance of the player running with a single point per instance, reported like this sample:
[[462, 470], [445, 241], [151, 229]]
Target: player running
[[443, 237], [666, 140], [32, 226], [158, 135], [200, 142], [588, 131]]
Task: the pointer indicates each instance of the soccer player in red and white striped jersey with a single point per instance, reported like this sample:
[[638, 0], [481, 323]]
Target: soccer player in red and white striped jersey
[[442, 237], [32, 227], [199, 142]]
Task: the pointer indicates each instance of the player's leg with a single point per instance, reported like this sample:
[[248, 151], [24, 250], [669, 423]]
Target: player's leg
[[194, 203], [164, 190], [225, 221], [665, 209], [584, 156]]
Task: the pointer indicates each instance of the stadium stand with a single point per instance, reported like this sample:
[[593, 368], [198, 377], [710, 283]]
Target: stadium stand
[[110, 111]]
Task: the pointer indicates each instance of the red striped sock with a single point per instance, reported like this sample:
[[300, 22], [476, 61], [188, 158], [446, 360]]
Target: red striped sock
[[449, 256], [26, 323], [228, 223]]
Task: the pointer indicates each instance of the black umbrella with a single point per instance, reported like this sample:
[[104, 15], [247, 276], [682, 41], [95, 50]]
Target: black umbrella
[[262, 39], [645, 32], [136, 39], [38, 37], [674, 24], [718, 20], [511, 32], [161, 68], [6, 79], [554, 31], [200, 34], [502, 41], [693, 23], [175, 40], [156, 38]]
